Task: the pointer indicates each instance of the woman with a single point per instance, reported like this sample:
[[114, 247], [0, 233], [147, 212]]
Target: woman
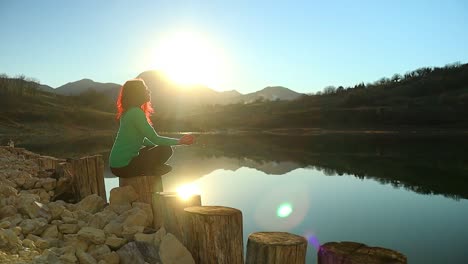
[[127, 157]]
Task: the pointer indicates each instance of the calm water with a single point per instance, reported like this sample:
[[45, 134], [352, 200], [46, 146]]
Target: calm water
[[404, 193]]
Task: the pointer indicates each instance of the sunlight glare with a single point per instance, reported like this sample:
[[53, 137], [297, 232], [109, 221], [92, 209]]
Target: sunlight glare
[[188, 58], [187, 191], [284, 210]]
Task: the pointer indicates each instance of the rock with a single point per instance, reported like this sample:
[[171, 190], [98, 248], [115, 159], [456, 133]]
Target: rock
[[69, 228], [110, 258], [91, 204], [129, 232], [74, 241], [56, 209], [148, 210], [138, 253], [50, 232], [30, 207], [136, 217], [47, 184], [85, 258], [7, 210], [5, 224], [14, 220], [33, 226], [68, 254], [114, 228], [7, 191], [29, 243], [9, 240], [30, 183], [82, 215], [115, 242], [158, 236], [101, 219], [172, 251], [140, 237], [98, 250], [122, 196], [92, 235]]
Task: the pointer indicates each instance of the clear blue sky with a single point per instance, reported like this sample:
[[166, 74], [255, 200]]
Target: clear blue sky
[[303, 45]]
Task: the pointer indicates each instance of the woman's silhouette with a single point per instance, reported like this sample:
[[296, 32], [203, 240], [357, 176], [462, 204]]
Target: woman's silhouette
[[127, 157]]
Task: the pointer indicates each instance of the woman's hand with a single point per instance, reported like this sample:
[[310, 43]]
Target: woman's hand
[[187, 140]]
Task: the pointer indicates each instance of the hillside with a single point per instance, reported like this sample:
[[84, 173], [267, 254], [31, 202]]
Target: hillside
[[426, 98]]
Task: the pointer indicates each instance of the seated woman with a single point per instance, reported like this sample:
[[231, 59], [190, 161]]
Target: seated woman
[[127, 157]]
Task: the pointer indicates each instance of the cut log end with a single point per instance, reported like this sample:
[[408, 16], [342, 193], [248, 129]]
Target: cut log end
[[277, 238], [352, 252], [213, 210]]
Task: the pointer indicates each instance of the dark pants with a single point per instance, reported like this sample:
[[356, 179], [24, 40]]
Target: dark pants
[[146, 163]]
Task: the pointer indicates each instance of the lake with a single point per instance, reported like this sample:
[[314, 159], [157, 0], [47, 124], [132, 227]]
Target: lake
[[407, 193]]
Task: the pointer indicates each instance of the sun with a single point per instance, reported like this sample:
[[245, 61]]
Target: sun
[[188, 58]]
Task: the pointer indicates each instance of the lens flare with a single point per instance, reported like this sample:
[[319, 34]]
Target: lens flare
[[284, 210], [187, 191], [313, 240]]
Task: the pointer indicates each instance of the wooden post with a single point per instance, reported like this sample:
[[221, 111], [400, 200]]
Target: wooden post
[[168, 211], [145, 186], [354, 253], [88, 176], [276, 248], [214, 234]]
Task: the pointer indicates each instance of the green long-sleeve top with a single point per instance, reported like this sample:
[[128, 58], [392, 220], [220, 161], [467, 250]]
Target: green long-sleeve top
[[134, 132]]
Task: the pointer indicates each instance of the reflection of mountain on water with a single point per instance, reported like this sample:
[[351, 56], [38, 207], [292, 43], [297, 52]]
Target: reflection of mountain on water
[[429, 165]]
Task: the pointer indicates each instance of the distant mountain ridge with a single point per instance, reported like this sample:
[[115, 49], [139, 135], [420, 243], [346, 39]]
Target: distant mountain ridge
[[162, 87]]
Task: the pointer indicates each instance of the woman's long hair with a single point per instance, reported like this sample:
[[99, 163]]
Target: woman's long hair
[[133, 94]]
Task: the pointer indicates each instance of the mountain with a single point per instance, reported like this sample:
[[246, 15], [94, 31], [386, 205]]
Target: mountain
[[46, 88], [271, 93], [78, 87]]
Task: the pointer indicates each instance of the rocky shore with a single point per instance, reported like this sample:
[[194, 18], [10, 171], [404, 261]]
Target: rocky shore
[[35, 227]]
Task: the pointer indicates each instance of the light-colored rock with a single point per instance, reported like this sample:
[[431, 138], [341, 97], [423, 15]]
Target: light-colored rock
[[91, 204], [84, 257], [93, 235], [158, 236], [141, 237], [129, 232], [148, 210], [122, 195], [172, 251], [115, 242], [137, 217], [101, 219]]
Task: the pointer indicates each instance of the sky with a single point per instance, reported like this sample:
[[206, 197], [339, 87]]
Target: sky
[[241, 45]]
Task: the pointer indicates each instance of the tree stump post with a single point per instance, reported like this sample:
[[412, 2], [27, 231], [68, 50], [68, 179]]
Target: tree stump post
[[168, 211], [214, 234], [276, 248], [145, 186], [88, 176], [355, 253]]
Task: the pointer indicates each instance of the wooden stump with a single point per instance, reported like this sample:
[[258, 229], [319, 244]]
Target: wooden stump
[[168, 211], [355, 253], [145, 186], [214, 234], [88, 176], [276, 248]]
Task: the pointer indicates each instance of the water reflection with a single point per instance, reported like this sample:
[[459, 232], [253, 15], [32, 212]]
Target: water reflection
[[369, 189]]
